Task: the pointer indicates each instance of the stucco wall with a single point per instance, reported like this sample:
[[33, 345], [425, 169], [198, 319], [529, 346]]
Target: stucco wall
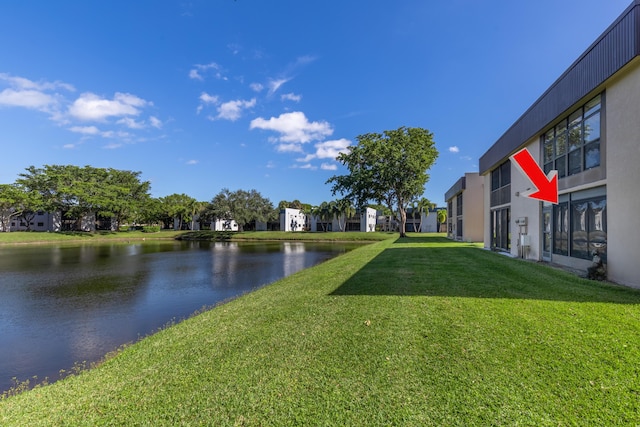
[[486, 191], [473, 208], [525, 207], [623, 176]]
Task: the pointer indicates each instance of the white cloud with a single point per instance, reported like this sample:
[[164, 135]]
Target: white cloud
[[85, 130], [90, 106], [270, 164], [27, 99], [196, 72], [208, 99], [306, 158], [192, 162], [331, 149], [232, 110], [468, 158], [328, 166], [289, 148], [112, 146], [131, 123], [454, 149], [23, 83], [256, 87], [291, 97], [155, 122], [69, 146], [305, 166], [276, 84], [294, 128], [234, 48], [124, 108]]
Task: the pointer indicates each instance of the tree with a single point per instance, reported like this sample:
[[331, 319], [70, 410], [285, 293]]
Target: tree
[[11, 204], [343, 208], [241, 206], [78, 191], [420, 206], [323, 212], [389, 168], [179, 206], [442, 216]]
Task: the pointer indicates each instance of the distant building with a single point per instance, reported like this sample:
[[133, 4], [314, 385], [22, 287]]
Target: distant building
[[294, 220], [424, 222], [224, 225], [362, 220], [465, 209]]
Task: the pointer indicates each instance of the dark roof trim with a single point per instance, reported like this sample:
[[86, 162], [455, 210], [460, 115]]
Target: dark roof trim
[[460, 185], [617, 46]]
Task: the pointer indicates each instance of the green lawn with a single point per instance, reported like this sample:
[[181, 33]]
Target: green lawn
[[416, 331], [78, 236]]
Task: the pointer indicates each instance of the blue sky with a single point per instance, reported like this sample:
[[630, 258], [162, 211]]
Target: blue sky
[[253, 94]]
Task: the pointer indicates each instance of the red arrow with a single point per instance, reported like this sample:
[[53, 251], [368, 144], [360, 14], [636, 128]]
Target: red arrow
[[546, 185]]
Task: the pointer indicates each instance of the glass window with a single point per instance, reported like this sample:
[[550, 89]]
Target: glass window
[[560, 229], [561, 166], [505, 174], [593, 105], [575, 137], [495, 179], [575, 162], [500, 229], [592, 128], [597, 225], [574, 144], [579, 237], [548, 152], [575, 118], [588, 228], [546, 242], [592, 155], [561, 139], [501, 184]]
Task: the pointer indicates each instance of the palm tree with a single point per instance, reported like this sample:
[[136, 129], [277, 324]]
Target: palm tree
[[322, 214], [420, 206], [442, 217], [347, 210]]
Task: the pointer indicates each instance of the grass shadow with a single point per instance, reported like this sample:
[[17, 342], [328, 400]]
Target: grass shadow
[[436, 266]]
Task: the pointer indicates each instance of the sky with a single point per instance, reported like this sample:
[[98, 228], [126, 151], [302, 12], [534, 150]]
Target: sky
[[253, 94]]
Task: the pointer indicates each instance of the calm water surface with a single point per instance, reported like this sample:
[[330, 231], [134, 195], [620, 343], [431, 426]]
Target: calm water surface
[[65, 304]]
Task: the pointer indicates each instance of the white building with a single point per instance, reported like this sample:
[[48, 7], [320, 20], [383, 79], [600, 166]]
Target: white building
[[364, 221], [294, 220]]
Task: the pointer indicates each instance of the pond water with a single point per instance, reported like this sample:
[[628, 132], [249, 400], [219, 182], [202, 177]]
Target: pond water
[[61, 305]]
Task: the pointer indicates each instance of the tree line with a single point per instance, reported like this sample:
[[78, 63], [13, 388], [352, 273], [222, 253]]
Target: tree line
[[120, 196], [388, 169], [123, 198]]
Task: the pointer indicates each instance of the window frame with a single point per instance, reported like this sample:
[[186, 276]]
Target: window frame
[[572, 158]]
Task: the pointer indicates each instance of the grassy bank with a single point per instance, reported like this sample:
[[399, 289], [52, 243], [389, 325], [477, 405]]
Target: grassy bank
[[417, 331], [41, 237], [80, 236], [350, 236]]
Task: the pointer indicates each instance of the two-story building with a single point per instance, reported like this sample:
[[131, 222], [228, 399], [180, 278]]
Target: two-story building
[[586, 126]]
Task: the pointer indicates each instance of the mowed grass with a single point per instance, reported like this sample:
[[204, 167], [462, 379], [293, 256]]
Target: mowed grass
[[20, 237], [418, 331], [80, 236], [331, 236]]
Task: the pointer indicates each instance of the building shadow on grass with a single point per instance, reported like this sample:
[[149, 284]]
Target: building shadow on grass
[[436, 266]]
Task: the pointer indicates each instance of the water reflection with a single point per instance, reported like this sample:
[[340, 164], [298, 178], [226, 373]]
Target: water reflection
[[65, 304]]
